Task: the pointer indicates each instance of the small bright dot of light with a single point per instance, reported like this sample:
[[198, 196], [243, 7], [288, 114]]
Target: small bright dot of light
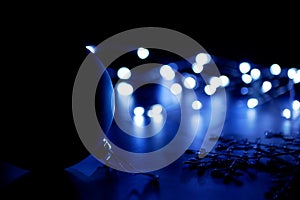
[[197, 68], [296, 105], [156, 109], [91, 48], [286, 113], [125, 89], [142, 53], [138, 111], [138, 120], [244, 67], [167, 72], [176, 88], [244, 90], [292, 73], [196, 105], [266, 86], [215, 81], [246, 78], [203, 58], [189, 82], [209, 89], [158, 118], [224, 81], [124, 73], [255, 74], [275, 69], [297, 77], [252, 103]]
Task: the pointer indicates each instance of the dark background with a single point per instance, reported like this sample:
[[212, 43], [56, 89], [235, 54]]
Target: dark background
[[41, 58]]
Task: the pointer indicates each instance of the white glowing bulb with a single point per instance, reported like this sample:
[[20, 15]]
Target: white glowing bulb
[[246, 78], [209, 90], [275, 69], [244, 67], [138, 111], [176, 88], [124, 73], [197, 68], [252, 103], [203, 58], [266, 86], [142, 53], [286, 113], [296, 105], [156, 109], [224, 81], [189, 82], [125, 89], [292, 73], [215, 81], [196, 105], [297, 77], [167, 72], [255, 73]]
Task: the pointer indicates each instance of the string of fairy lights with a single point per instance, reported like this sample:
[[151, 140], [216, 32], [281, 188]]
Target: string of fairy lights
[[259, 84]]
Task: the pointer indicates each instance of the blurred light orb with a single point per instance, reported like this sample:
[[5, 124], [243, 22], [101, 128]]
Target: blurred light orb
[[203, 58], [197, 68], [266, 86], [124, 73], [246, 78], [176, 88], [215, 81], [252, 103], [196, 105], [167, 72], [125, 89], [224, 81], [296, 105], [189, 82], [275, 69], [138, 111], [209, 90], [142, 53], [255, 73], [292, 73], [244, 90], [244, 67], [286, 113]]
